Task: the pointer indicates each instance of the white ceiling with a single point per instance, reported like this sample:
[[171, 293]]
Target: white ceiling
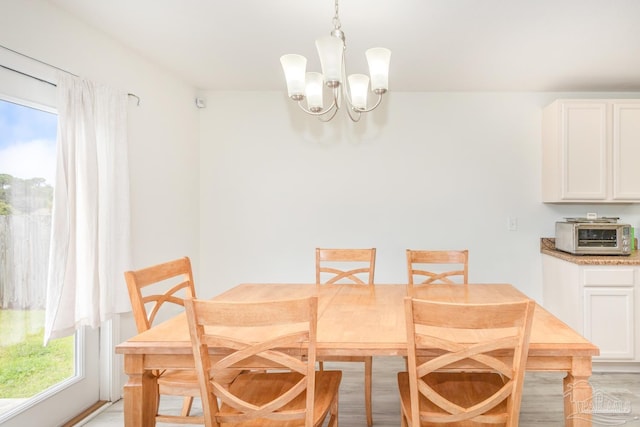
[[437, 45]]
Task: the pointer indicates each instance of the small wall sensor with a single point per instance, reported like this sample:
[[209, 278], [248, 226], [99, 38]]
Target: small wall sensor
[[201, 103]]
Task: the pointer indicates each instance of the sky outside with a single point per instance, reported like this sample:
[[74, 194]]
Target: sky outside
[[27, 142]]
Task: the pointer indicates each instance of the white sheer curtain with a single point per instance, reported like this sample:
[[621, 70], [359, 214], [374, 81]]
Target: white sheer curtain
[[90, 237]]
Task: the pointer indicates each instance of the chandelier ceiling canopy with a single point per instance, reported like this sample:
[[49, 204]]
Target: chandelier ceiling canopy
[[349, 91]]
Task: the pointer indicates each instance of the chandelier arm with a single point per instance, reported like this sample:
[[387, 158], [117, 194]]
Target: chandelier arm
[[366, 110], [317, 113], [335, 105], [354, 117], [346, 93], [328, 118]]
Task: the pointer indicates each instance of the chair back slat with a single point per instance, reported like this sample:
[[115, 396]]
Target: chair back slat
[[153, 289], [444, 266], [337, 266]]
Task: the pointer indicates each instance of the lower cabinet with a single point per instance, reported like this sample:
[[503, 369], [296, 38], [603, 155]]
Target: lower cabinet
[[608, 321], [600, 302]]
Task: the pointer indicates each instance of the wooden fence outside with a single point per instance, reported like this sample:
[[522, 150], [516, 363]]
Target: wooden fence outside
[[24, 260]]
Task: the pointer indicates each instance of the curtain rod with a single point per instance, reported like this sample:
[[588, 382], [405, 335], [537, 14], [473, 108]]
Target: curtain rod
[[49, 65]]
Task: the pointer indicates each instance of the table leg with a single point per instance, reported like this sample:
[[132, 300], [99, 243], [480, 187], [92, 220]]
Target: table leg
[[140, 393], [578, 393]]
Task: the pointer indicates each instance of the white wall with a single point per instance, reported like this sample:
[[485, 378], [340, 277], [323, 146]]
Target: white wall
[[163, 135], [163, 130], [428, 171]]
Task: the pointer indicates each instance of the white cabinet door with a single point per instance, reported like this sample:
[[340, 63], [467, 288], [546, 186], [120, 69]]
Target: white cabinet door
[[626, 151], [609, 305], [608, 321], [590, 151], [584, 151]]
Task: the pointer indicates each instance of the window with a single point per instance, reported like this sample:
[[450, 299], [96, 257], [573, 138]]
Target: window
[[27, 177]]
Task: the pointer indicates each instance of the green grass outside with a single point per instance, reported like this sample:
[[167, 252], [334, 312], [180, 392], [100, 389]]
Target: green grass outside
[[26, 366]]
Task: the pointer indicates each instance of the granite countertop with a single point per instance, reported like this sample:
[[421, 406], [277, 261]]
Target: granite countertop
[[548, 247]]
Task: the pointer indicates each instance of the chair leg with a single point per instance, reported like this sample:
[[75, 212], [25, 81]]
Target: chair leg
[[333, 414], [368, 368], [186, 405], [157, 400]]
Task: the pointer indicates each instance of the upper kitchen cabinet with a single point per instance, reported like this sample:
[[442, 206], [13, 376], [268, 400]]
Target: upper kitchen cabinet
[[591, 151]]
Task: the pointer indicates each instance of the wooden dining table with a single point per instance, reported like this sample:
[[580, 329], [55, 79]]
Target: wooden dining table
[[357, 320]]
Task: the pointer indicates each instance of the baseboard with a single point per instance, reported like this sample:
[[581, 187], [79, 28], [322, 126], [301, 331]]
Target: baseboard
[[612, 367], [88, 413]]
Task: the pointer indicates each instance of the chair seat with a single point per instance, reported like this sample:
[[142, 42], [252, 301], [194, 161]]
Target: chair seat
[[174, 382], [463, 389], [260, 387], [179, 383]]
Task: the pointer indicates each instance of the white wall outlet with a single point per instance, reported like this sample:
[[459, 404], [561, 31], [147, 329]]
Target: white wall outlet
[[512, 223]]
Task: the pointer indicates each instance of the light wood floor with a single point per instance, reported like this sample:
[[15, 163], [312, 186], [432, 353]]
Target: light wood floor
[[541, 402]]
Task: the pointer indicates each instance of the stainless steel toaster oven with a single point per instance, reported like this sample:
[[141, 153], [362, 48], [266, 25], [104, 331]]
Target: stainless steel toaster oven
[[602, 236]]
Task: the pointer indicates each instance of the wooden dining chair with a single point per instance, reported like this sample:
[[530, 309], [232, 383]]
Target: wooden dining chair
[[466, 363], [427, 267], [278, 386], [349, 266], [157, 292]]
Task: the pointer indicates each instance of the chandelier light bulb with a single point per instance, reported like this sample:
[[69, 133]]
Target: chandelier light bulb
[[359, 85], [330, 51], [314, 91], [378, 59], [294, 67]]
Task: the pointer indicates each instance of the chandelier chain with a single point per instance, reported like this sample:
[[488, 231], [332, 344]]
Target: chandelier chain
[[336, 18]]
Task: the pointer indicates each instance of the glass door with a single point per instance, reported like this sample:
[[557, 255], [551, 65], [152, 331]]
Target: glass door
[[39, 385]]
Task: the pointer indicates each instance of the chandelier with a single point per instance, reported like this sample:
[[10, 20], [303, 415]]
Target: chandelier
[[352, 90]]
